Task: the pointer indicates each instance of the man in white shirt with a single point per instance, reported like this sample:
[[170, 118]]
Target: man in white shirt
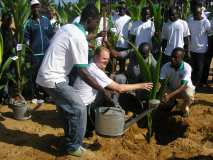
[[143, 30], [96, 69], [200, 28], [175, 33], [180, 85], [121, 23], [69, 48]]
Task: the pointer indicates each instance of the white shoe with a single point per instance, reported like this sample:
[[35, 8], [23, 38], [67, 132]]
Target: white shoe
[[82, 148], [186, 112], [34, 101], [40, 101]]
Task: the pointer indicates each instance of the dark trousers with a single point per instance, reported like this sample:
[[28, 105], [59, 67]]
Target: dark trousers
[[197, 63], [207, 63], [36, 63]]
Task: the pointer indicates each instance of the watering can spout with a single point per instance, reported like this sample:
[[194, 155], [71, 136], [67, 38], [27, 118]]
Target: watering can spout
[[153, 104]]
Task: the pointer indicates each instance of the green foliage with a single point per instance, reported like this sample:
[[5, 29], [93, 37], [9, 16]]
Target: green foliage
[[1, 49], [5, 65], [47, 3], [21, 11], [135, 10], [68, 11], [98, 4], [146, 72]]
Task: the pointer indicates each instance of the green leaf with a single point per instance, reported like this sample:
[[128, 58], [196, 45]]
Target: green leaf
[[2, 87], [1, 49], [98, 5], [156, 77], [5, 66]]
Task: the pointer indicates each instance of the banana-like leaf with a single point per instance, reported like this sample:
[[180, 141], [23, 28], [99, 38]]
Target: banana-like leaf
[[2, 87], [186, 9], [135, 10], [1, 49], [156, 77], [12, 78], [144, 67], [5, 66], [98, 5]]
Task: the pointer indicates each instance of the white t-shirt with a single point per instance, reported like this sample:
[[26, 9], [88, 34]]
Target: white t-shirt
[[199, 34], [101, 28], [121, 24], [77, 19], [68, 47], [87, 93], [144, 31], [174, 33], [177, 77]]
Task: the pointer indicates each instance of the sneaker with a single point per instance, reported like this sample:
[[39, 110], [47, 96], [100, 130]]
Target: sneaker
[[34, 101], [40, 101], [77, 153], [83, 149], [186, 112]]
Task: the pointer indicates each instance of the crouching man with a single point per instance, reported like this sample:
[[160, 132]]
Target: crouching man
[[96, 70], [180, 84]]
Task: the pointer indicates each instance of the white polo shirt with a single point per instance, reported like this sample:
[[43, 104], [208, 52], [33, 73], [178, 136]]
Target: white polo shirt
[[144, 31], [174, 33], [177, 77], [199, 30], [87, 93], [121, 24], [68, 47]]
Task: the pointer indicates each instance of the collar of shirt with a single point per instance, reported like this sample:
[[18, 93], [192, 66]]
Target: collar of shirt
[[181, 67], [81, 27]]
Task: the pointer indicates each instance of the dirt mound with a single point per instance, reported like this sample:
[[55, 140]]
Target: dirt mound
[[175, 138]]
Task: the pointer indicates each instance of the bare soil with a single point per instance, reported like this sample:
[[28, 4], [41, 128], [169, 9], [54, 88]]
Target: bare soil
[[175, 137]]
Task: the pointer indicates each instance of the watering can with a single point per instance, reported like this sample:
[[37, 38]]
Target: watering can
[[111, 121]]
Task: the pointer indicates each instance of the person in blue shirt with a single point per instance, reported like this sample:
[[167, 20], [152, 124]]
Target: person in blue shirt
[[37, 33]]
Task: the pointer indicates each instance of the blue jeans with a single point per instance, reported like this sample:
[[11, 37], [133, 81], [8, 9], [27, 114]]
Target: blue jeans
[[73, 113]]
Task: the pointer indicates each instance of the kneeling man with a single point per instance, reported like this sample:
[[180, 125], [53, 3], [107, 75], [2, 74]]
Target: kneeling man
[[180, 84], [96, 69]]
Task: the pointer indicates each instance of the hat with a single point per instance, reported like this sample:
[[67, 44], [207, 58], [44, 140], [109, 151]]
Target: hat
[[33, 2]]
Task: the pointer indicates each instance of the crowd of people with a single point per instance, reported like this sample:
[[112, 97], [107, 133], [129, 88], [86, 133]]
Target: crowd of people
[[63, 68]]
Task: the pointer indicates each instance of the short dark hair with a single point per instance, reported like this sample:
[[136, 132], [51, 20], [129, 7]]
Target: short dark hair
[[142, 45], [178, 49], [144, 9], [90, 11]]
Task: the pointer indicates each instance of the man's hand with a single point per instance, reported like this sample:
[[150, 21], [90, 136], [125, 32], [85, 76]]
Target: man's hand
[[147, 86], [101, 34]]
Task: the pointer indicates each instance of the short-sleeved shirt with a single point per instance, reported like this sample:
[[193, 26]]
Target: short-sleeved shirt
[[178, 77], [69, 47], [174, 33], [199, 30], [144, 31], [87, 93], [121, 24]]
